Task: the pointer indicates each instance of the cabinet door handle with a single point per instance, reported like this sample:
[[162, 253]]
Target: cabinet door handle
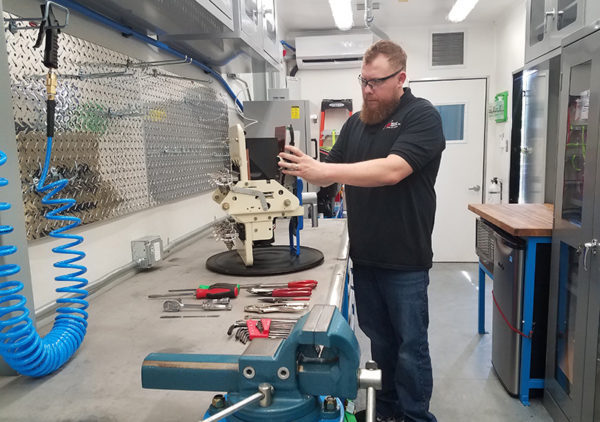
[[593, 246], [546, 15]]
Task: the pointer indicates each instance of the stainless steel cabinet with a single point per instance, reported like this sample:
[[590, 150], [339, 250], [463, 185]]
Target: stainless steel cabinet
[[227, 35], [269, 22], [548, 21], [572, 381], [534, 132]]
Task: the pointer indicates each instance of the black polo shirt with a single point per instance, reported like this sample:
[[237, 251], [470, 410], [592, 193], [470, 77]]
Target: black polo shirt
[[391, 226]]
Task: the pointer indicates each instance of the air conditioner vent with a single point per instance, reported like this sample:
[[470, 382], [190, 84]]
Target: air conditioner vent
[[448, 49], [332, 51]]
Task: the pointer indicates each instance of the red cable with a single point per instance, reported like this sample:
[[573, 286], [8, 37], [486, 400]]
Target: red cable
[[508, 323]]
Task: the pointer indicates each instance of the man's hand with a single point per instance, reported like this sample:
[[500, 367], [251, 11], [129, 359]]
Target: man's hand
[[296, 163]]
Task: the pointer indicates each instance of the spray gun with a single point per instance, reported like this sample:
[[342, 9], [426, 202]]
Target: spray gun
[[49, 29]]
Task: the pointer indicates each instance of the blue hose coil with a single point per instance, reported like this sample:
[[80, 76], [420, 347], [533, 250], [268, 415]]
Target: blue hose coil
[[20, 345]]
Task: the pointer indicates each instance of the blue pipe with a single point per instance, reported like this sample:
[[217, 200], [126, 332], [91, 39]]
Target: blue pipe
[[128, 31], [285, 44], [20, 345]]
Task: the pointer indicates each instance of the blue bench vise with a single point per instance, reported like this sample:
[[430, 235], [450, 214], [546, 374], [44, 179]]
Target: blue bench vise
[[276, 380]]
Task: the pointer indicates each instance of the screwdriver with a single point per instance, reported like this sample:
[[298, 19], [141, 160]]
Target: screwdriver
[[213, 291]]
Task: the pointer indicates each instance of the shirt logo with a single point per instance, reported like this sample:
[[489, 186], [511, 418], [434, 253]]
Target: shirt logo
[[392, 125]]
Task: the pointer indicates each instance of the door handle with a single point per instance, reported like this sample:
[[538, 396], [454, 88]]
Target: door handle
[[475, 188], [593, 246]]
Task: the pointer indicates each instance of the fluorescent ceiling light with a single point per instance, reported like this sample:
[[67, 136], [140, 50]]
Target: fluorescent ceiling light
[[342, 13], [461, 10]]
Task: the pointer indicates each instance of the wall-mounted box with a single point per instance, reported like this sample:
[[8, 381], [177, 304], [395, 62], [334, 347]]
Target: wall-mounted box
[[147, 251]]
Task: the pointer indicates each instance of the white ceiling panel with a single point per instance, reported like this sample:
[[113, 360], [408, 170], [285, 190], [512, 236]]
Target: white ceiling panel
[[315, 15]]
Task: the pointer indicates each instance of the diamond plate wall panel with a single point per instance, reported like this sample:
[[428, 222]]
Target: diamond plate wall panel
[[127, 138]]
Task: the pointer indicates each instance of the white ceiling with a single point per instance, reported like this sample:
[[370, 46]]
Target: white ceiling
[[315, 15]]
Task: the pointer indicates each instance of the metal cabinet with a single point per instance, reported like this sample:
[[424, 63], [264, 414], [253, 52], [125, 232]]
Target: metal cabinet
[[227, 35], [247, 22], [269, 25], [534, 132], [548, 21], [572, 391]]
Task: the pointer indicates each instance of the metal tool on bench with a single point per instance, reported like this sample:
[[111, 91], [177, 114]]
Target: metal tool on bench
[[213, 291], [265, 308], [285, 292], [263, 328], [302, 284], [282, 299], [177, 306], [274, 379]]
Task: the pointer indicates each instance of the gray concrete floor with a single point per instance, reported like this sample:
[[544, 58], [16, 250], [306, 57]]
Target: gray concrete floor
[[465, 386]]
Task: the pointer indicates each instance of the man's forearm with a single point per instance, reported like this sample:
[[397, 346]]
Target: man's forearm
[[371, 173]]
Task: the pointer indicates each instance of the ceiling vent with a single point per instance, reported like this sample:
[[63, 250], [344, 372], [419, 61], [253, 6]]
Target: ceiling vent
[[332, 51], [448, 49]]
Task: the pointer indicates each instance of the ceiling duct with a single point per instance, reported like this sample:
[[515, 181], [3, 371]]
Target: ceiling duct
[[369, 21]]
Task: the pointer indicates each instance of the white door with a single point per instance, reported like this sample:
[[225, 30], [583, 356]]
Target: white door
[[462, 104]]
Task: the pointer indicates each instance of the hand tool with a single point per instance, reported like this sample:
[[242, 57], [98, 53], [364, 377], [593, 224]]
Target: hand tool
[[214, 291], [262, 328], [281, 292], [269, 308], [292, 285], [176, 306], [191, 316], [281, 299]]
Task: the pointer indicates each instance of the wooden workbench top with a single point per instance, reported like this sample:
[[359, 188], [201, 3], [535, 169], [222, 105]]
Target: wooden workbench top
[[518, 219]]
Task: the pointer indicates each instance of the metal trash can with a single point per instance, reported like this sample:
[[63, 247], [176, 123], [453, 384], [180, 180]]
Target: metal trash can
[[509, 260]]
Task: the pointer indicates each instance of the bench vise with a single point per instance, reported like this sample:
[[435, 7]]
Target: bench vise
[[275, 380]]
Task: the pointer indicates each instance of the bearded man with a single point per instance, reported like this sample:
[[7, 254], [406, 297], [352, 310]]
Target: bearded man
[[388, 157]]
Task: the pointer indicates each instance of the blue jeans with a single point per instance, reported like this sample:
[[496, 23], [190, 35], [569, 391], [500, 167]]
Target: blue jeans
[[393, 312]]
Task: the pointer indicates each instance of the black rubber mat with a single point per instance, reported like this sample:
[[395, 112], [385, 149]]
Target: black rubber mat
[[268, 260]]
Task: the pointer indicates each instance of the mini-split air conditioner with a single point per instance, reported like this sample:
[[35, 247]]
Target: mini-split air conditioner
[[331, 51]]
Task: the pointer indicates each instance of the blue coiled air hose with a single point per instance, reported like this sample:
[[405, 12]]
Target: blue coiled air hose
[[20, 345]]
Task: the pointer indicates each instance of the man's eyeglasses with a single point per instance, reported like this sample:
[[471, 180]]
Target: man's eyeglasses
[[375, 82]]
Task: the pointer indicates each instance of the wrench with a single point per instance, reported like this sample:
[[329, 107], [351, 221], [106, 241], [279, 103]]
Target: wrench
[[176, 306]]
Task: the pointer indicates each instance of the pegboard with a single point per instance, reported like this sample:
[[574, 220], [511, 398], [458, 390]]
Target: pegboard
[[127, 137]]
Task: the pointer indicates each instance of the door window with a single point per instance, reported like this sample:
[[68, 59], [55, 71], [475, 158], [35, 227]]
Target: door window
[[575, 147], [567, 313], [567, 13], [453, 121], [537, 21]]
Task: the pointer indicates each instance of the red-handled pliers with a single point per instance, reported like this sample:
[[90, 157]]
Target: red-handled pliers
[[301, 284]]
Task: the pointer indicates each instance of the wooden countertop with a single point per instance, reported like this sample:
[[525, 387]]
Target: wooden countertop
[[518, 219]]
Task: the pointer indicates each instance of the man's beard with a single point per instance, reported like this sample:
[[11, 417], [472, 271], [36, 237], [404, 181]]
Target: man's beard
[[376, 112]]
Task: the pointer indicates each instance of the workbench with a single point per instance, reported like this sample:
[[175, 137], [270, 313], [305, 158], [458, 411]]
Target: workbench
[[102, 381], [533, 223]]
